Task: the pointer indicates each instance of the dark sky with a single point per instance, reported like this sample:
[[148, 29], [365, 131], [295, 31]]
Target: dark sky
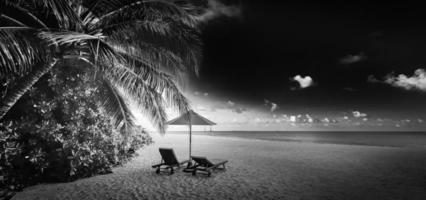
[[253, 57], [256, 55]]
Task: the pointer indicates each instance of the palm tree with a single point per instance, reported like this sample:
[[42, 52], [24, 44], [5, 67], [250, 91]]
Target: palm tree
[[136, 48]]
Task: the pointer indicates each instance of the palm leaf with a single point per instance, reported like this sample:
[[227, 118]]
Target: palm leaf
[[13, 14], [25, 83], [130, 69], [149, 101], [67, 37], [63, 12], [181, 41], [18, 53], [150, 10], [156, 57], [115, 106]]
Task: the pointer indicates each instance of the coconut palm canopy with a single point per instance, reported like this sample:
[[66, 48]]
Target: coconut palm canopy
[[138, 49], [190, 118]]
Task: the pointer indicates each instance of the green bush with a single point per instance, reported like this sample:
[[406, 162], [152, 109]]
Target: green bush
[[58, 132]]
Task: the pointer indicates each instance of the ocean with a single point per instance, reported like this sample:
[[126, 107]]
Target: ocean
[[388, 139]]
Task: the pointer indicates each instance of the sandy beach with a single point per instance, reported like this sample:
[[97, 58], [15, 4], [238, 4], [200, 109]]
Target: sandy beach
[[257, 169]]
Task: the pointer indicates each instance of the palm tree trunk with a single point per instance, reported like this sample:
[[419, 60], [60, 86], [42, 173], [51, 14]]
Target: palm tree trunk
[[23, 85]]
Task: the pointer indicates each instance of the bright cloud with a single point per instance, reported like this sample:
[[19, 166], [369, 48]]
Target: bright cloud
[[292, 118], [358, 114], [350, 59], [416, 81], [273, 106], [326, 120], [304, 82]]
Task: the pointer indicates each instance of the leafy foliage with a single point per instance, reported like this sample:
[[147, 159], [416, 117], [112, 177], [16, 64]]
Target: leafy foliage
[[66, 67], [139, 47], [59, 133]]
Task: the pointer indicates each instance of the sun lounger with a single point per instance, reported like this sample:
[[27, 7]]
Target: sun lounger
[[204, 165], [168, 161]]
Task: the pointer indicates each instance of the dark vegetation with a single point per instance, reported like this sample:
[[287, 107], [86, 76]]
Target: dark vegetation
[[59, 132], [68, 69]]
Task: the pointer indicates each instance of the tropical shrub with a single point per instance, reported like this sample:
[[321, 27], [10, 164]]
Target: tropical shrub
[[58, 132]]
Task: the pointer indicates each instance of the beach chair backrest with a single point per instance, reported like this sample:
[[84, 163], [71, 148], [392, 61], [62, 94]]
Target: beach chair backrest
[[168, 156], [203, 161]]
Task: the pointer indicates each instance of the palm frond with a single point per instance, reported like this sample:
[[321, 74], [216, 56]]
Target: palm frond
[[179, 40], [149, 101], [156, 57], [128, 68], [12, 14], [115, 106], [159, 81], [139, 24], [63, 12], [18, 53], [25, 83], [67, 37], [110, 10]]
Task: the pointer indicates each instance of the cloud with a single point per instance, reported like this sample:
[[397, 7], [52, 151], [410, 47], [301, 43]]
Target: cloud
[[273, 106], [351, 59], [201, 108], [216, 9], [326, 120], [239, 110], [231, 106], [304, 82], [372, 79], [417, 81], [358, 114]]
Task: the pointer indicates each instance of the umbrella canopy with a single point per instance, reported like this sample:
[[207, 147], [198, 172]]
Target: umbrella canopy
[[190, 118]]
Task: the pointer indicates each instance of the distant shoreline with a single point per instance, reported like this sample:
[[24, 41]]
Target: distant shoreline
[[304, 131], [413, 139]]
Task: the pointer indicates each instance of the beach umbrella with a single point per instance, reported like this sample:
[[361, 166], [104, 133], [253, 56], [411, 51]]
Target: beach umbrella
[[190, 118]]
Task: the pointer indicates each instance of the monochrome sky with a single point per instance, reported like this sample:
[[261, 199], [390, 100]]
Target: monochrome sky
[[311, 66]]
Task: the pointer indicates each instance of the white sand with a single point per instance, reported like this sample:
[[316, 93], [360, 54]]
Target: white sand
[[257, 169]]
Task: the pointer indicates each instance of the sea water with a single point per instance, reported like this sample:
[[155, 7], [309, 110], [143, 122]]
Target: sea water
[[375, 138]]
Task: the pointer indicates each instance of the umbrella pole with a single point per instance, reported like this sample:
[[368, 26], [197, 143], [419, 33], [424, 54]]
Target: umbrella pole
[[190, 145]]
